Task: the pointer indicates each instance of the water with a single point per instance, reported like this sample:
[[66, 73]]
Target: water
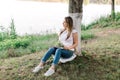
[[92, 12], [37, 17]]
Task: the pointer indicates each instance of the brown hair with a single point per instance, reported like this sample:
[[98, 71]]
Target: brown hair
[[69, 21]]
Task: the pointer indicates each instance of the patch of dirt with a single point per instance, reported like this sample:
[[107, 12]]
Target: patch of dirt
[[108, 32]]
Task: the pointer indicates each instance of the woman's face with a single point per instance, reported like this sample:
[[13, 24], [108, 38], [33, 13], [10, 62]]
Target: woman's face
[[65, 24]]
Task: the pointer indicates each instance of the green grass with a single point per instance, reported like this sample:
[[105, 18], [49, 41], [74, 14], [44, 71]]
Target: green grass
[[32, 43], [36, 43], [106, 49], [42, 42], [85, 35], [100, 61], [103, 22]]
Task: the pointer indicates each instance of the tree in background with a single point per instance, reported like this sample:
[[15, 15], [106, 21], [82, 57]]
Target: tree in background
[[75, 11], [113, 9]]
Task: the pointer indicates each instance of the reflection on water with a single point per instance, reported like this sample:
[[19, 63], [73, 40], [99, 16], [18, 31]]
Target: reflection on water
[[37, 17]]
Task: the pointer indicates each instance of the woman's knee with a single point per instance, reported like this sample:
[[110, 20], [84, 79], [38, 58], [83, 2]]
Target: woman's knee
[[58, 50], [52, 48]]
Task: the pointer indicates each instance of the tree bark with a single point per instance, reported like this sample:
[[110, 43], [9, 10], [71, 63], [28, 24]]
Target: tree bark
[[75, 6], [113, 9], [75, 11]]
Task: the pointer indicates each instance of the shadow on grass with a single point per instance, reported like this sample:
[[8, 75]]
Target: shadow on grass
[[82, 67], [88, 68]]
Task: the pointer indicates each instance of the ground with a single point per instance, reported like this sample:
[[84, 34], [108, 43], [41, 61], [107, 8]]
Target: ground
[[101, 61]]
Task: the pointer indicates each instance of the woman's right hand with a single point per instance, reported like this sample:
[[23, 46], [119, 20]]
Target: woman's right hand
[[67, 48]]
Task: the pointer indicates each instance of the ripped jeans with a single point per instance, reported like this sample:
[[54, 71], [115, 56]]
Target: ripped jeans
[[57, 52]]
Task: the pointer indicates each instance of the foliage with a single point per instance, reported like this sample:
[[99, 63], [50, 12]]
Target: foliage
[[117, 16], [83, 27], [99, 62], [100, 58], [3, 33], [104, 22], [13, 34], [42, 42], [85, 35], [26, 44], [32, 43], [14, 43], [35, 43], [8, 34], [10, 42]]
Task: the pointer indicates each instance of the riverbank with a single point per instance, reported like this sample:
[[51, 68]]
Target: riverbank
[[100, 59], [85, 1]]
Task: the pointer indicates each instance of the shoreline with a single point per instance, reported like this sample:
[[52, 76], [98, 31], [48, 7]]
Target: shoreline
[[117, 2]]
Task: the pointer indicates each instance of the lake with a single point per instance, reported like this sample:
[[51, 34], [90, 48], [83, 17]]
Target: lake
[[40, 17]]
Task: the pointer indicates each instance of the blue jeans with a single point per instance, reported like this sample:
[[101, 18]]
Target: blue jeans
[[58, 52]]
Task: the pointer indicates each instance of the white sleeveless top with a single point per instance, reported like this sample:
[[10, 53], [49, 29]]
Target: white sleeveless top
[[69, 41]]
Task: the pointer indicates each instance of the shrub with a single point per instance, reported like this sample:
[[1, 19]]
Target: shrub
[[117, 17], [15, 43], [13, 34], [103, 22]]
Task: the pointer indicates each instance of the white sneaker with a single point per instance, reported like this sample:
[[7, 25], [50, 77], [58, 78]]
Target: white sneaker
[[37, 69], [49, 72], [63, 60]]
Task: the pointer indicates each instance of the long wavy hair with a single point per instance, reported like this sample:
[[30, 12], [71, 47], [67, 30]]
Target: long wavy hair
[[69, 21]]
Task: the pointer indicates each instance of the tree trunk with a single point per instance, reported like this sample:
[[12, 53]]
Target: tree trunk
[[75, 11], [113, 9]]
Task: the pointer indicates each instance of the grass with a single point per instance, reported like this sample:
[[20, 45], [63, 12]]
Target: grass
[[42, 42], [86, 35], [100, 62], [103, 22], [37, 43]]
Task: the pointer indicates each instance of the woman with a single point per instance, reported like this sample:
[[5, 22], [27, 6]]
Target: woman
[[68, 37]]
